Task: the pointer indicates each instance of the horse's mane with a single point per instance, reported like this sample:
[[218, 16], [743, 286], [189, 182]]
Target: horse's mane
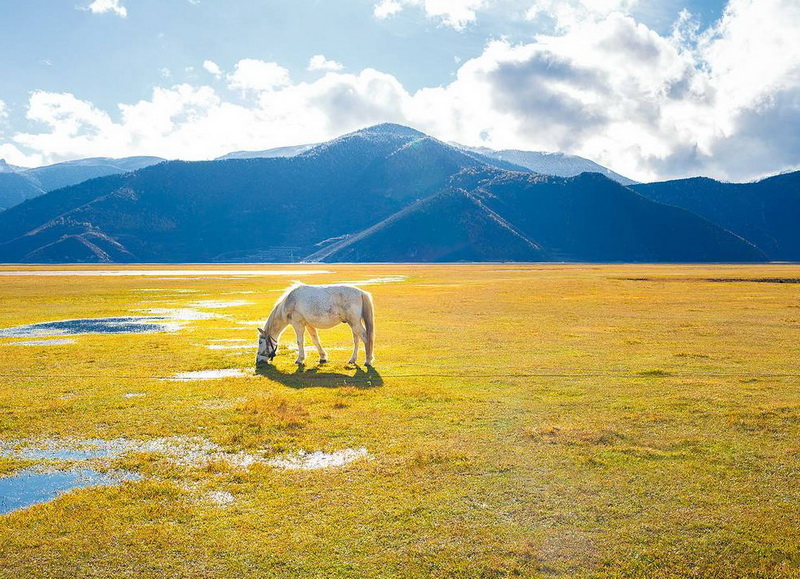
[[295, 284], [277, 309]]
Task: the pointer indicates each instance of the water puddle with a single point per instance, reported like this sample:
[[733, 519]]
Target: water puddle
[[179, 450], [314, 460], [33, 486], [376, 280], [210, 374], [60, 450], [181, 314], [68, 464], [157, 320], [134, 395], [178, 273], [217, 304], [120, 325], [60, 342]]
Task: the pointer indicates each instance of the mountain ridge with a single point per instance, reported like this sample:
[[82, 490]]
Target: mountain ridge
[[766, 212], [558, 164], [40, 180], [385, 193]]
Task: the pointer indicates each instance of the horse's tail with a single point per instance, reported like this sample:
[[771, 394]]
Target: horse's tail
[[368, 315]]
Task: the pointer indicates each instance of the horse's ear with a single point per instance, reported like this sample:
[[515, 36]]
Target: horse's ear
[[261, 331]]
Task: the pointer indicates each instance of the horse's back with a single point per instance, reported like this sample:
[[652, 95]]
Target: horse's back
[[326, 292], [326, 304]]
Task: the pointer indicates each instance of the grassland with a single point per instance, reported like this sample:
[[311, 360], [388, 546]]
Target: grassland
[[587, 421]]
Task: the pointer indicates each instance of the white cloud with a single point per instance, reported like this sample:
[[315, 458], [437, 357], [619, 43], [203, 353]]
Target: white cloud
[[609, 88], [387, 8], [754, 50], [454, 13], [13, 156], [570, 12], [724, 102], [11, 153], [251, 75], [319, 62], [103, 6], [212, 67], [189, 122]]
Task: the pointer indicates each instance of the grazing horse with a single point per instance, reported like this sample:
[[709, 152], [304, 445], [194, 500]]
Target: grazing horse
[[318, 306]]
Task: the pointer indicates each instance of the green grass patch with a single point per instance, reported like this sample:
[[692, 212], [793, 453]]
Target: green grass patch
[[520, 420]]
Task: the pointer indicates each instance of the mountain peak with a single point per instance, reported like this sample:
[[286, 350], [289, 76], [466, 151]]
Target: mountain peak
[[6, 168], [392, 129], [388, 135]]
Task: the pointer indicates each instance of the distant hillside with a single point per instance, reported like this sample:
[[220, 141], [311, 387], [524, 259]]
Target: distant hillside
[[39, 180], [269, 153], [385, 193], [53, 177], [491, 215], [451, 225], [206, 211], [6, 168], [15, 188], [559, 164], [766, 213]]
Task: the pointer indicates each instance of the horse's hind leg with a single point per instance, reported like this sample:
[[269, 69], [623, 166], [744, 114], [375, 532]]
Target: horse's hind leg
[[301, 352], [323, 356], [358, 333]]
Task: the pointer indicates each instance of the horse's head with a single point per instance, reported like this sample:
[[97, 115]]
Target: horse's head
[[267, 347]]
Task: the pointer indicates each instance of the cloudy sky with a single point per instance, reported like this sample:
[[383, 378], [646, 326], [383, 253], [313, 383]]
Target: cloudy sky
[[653, 89]]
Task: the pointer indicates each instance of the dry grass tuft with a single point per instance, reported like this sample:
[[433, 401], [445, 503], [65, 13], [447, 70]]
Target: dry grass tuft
[[272, 411], [573, 436]]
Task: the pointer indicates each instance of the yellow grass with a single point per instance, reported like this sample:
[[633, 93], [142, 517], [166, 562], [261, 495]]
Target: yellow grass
[[531, 420]]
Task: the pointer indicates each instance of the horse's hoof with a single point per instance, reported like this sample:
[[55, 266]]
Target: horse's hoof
[[323, 361]]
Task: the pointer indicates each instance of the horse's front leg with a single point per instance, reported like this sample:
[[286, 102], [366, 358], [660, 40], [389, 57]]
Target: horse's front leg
[[299, 329], [323, 355]]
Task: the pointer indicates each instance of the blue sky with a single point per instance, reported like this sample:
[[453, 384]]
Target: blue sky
[[652, 89]]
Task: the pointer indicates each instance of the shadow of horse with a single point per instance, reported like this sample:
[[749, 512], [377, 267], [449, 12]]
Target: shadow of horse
[[316, 377]]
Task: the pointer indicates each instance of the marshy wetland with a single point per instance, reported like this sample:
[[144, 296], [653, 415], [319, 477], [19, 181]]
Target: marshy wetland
[[532, 420]]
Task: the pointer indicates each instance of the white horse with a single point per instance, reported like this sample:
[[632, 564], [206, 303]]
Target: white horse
[[319, 306]]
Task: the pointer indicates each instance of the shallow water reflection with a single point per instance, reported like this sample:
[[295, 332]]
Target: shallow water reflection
[[33, 486], [121, 325], [64, 342], [303, 460]]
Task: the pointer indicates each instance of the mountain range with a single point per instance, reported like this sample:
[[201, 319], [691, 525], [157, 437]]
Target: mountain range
[[766, 213], [391, 193], [559, 164], [18, 183]]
